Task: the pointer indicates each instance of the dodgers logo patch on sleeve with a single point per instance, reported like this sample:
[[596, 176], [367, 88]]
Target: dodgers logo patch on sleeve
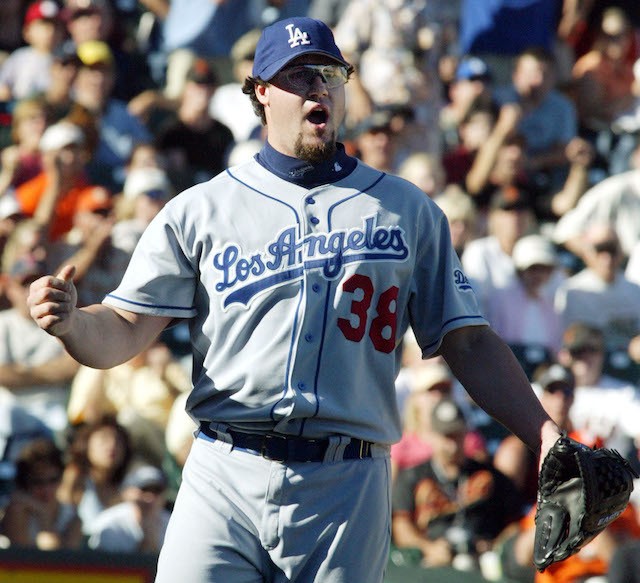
[[461, 281]]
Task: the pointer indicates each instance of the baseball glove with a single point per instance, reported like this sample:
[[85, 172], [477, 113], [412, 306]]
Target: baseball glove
[[580, 492]]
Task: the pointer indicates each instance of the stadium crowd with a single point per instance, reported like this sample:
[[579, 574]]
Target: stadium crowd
[[521, 120]]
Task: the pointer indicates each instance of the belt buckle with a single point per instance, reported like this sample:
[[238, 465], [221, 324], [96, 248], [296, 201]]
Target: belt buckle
[[270, 444]]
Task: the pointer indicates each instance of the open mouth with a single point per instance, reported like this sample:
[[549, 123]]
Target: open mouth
[[318, 116]]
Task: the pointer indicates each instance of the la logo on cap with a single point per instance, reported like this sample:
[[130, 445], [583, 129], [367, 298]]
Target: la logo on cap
[[296, 36]]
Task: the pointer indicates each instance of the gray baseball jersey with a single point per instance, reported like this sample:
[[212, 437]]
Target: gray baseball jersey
[[298, 298]]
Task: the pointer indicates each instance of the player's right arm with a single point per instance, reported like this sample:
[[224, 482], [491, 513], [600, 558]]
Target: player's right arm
[[98, 336]]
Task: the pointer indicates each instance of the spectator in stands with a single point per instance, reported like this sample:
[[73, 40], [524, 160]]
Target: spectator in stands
[[225, 106], [473, 131], [548, 119], [461, 214], [27, 70], [615, 199], [35, 369], [375, 140], [119, 131], [18, 427], [425, 171], [469, 90], [89, 20], [96, 20], [145, 156], [451, 507], [139, 522], [603, 78], [61, 100], [487, 261], [35, 516], [64, 69], [146, 191], [499, 160], [194, 144], [600, 294], [99, 456], [430, 382], [521, 313], [604, 408], [22, 160], [53, 195], [27, 243]]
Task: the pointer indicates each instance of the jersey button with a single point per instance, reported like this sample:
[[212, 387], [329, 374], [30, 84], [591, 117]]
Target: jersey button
[[314, 220], [310, 200], [316, 287], [302, 386], [308, 337]]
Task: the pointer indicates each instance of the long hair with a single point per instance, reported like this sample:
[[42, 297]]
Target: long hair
[[78, 449]]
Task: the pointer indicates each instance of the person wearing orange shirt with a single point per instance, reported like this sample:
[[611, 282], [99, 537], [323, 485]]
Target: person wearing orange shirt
[[52, 197]]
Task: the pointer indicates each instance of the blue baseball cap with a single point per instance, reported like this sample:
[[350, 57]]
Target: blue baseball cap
[[473, 69], [283, 41]]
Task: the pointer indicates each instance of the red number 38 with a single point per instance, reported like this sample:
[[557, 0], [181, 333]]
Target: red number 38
[[382, 330]]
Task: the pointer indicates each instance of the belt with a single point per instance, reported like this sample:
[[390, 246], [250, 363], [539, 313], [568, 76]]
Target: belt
[[285, 448]]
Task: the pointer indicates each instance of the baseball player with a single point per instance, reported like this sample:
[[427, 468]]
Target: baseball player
[[299, 272]]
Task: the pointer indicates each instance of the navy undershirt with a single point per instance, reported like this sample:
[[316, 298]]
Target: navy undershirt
[[304, 173]]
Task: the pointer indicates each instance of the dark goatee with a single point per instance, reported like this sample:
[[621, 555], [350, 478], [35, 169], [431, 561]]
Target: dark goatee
[[316, 153]]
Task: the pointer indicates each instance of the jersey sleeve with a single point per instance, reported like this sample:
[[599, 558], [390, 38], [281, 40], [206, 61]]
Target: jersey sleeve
[[161, 278], [443, 298]]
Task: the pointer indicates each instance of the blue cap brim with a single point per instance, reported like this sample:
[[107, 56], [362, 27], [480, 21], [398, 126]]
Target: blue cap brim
[[273, 69]]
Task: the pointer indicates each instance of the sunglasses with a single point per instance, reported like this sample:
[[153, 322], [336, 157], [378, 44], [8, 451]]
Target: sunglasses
[[153, 489], [615, 37], [554, 388], [584, 351], [301, 77]]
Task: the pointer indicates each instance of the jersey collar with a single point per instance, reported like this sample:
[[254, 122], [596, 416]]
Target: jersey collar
[[304, 173]]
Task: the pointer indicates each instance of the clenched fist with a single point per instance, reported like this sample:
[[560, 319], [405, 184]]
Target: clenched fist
[[52, 301]]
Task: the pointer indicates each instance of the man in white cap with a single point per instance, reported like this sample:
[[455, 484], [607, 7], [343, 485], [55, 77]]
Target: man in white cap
[[52, 197], [521, 312]]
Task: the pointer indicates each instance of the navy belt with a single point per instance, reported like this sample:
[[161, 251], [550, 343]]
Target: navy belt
[[287, 448]]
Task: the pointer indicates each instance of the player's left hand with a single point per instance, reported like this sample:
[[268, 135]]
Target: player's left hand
[[580, 492]]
